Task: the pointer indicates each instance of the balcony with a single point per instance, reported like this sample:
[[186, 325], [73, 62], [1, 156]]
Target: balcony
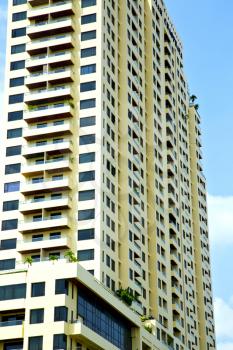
[[62, 8], [58, 42], [47, 203], [11, 330], [59, 75], [37, 2], [54, 94], [50, 27], [47, 223], [58, 59], [51, 147], [47, 112], [46, 244], [51, 165], [48, 130], [48, 185]]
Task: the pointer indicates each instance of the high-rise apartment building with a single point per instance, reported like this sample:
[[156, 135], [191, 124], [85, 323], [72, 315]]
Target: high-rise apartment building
[[101, 156]]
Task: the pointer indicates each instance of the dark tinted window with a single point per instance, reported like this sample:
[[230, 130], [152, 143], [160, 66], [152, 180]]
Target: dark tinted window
[[18, 32], [16, 81], [17, 65], [87, 157], [11, 186], [8, 244], [38, 289], [12, 168], [86, 254], [7, 264], [17, 98], [86, 195], [36, 316], [12, 133], [84, 234], [18, 115], [19, 2], [90, 51], [89, 103], [88, 69], [35, 343], [10, 205], [91, 34], [88, 86], [59, 342], [87, 121], [18, 48], [86, 176], [10, 224], [88, 18], [13, 151], [86, 214], [87, 139], [19, 16], [61, 286], [14, 291], [87, 3], [60, 313]]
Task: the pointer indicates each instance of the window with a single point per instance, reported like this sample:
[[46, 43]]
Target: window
[[88, 18], [89, 103], [88, 69], [60, 313], [13, 151], [86, 139], [13, 133], [15, 116], [88, 52], [88, 86], [10, 224], [86, 214], [61, 286], [84, 234], [16, 81], [86, 195], [19, 2], [18, 48], [10, 205], [19, 16], [12, 168], [91, 34], [8, 244], [17, 98], [17, 65], [36, 316], [87, 157], [87, 121], [86, 254], [38, 289], [35, 343], [14, 291], [55, 235], [87, 3], [59, 342], [11, 186], [86, 176], [7, 264], [15, 33]]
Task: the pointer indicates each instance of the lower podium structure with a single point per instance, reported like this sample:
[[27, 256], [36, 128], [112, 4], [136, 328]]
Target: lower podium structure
[[60, 306]]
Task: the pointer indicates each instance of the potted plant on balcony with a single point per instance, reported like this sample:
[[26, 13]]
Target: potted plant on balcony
[[70, 256], [28, 260], [53, 258], [125, 295]]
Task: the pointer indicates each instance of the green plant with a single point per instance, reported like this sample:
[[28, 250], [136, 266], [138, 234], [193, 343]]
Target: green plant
[[28, 260], [53, 258], [148, 328], [126, 295], [144, 318], [70, 256]]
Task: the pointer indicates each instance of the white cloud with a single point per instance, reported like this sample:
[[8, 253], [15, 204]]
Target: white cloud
[[224, 323], [220, 220]]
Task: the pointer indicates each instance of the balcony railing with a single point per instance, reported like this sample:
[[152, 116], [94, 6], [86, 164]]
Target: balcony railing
[[11, 323]]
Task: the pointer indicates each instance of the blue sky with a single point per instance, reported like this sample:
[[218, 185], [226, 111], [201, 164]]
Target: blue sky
[[205, 27]]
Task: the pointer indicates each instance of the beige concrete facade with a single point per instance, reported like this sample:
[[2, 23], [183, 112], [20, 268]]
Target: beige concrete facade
[[101, 156]]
